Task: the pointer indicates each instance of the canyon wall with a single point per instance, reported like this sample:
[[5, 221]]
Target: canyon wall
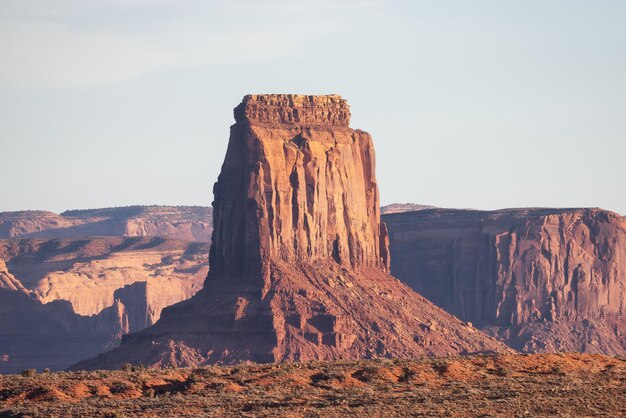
[[299, 258], [66, 299], [539, 279]]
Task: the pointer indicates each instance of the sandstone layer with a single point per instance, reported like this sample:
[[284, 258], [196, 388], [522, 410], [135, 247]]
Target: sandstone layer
[[299, 257], [189, 223], [66, 299], [538, 279], [403, 207]]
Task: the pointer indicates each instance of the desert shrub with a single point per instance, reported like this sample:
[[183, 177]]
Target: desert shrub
[[191, 379], [29, 372], [501, 371], [119, 387], [205, 371], [407, 375], [557, 370], [440, 367], [324, 377], [127, 367], [47, 371], [139, 368], [366, 374]]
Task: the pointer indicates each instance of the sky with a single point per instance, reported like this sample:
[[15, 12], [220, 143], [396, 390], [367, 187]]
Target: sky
[[471, 104]]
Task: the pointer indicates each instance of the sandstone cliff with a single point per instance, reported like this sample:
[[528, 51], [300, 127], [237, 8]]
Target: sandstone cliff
[[189, 223], [66, 299], [539, 279], [297, 184], [299, 257]]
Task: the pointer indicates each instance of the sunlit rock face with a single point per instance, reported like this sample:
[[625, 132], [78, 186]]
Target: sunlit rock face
[[297, 184], [539, 279], [299, 258]]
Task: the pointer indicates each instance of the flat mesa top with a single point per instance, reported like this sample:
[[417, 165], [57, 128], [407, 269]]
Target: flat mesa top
[[297, 109]]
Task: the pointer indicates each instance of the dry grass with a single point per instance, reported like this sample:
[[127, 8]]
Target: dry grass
[[507, 385]]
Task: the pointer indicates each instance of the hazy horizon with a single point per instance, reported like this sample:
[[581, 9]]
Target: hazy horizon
[[483, 104]]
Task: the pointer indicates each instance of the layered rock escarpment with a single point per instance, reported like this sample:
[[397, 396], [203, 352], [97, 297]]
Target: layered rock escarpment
[[188, 223], [299, 257], [66, 299], [539, 279]]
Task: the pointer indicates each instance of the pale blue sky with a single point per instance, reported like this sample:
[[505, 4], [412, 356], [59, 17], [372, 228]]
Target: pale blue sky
[[482, 104]]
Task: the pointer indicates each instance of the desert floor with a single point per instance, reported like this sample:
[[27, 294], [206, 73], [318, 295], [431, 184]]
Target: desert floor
[[500, 385]]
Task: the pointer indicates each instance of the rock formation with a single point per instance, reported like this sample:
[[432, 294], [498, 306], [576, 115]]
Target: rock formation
[[189, 223], [66, 299], [299, 257], [539, 279], [403, 207], [8, 281]]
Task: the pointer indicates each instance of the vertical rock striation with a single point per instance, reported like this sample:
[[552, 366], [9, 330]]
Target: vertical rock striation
[[540, 279], [299, 258], [297, 184]]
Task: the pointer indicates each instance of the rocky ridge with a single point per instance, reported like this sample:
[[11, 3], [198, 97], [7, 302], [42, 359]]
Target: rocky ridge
[[403, 207], [189, 223]]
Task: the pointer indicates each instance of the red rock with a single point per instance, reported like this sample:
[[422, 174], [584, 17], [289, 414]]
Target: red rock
[[299, 257], [539, 279]]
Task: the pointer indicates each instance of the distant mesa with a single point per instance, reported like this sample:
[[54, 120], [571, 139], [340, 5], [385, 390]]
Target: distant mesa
[[189, 223], [541, 280], [72, 284], [299, 258], [403, 207]]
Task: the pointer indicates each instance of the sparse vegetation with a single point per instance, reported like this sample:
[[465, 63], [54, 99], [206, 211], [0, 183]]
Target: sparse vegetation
[[506, 385], [118, 387], [557, 370], [29, 373], [440, 367]]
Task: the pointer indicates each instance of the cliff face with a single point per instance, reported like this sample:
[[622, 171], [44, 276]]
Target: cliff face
[[297, 184], [189, 223], [540, 279], [108, 272], [88, 271], [63, 300], [299, 257]]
